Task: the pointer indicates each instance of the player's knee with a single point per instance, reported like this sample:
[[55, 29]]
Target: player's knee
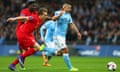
[[65, 50]]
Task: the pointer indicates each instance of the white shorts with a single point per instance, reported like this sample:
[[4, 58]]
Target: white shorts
[[50, 48], [50, 44], [59, 42]]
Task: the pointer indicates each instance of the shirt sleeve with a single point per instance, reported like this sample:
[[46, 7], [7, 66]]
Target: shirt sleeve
[[33, 18]]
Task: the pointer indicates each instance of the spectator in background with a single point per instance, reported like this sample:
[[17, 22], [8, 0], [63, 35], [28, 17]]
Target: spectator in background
[[99, 18]]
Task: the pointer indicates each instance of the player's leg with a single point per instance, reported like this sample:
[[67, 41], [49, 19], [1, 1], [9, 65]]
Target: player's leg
[[23, 49], [61, 45], [28, 41], [45, 58], [22, 56], [20, 59], [12, 66], [49, 50], [22, 67], [26, 44], [44, 55], [67, 60], [30, 51]]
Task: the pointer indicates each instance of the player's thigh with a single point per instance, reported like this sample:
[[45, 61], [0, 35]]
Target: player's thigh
[[27, 41], [50, 47], [50, 44], [22, 46]]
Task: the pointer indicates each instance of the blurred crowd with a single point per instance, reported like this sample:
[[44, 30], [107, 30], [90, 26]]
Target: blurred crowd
[[97, 20]]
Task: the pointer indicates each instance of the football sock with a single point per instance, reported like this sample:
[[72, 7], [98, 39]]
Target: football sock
[[28, 52], [15, 62], [44, 58], [67, 60]]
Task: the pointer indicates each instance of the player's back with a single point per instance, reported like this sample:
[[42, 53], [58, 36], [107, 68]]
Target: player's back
[[62, 23], [50, 28]]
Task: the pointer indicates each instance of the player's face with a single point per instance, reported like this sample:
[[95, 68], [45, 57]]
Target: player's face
[[45, 14], [33, 7], [68, 8]]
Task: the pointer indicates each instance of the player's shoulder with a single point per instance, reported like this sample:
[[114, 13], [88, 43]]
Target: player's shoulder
[[25, 9], [58, 11], [34, 18]]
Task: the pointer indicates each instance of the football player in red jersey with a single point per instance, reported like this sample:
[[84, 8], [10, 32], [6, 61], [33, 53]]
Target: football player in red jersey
[[25, 37], [30, 9]]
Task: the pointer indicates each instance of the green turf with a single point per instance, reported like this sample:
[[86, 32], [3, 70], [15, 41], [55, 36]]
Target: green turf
[[85, 64]]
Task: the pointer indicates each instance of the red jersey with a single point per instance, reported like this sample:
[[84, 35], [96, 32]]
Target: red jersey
[[29, 26], [24, 12]]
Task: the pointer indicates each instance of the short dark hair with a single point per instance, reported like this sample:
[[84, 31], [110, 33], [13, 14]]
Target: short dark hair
[[29, 2], [41, 10]]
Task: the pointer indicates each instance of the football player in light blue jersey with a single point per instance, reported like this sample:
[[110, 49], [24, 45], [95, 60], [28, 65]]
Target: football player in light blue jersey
[[60, 33], [47, 38]]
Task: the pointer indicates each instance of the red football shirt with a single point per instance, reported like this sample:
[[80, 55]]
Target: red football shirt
[[29, 26], [24, 12]]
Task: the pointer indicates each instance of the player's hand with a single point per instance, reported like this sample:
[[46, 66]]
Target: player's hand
[[10, 19], [48, 17], [62, 11], [79, 36]]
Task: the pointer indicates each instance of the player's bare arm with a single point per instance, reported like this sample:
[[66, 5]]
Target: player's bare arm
[[73, 26], [56, 17], [18, 18]]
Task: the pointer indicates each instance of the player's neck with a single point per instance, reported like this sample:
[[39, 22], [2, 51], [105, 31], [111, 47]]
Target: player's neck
[[41, 17]]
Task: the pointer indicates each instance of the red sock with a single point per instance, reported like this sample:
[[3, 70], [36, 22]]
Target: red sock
[[28, 52], [15, 62]]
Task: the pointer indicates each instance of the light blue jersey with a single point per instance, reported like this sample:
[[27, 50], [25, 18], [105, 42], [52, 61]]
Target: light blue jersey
[[62, 23], [50, 28]]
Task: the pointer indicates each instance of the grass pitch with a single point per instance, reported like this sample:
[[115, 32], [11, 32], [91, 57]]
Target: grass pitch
[[85, 64]]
